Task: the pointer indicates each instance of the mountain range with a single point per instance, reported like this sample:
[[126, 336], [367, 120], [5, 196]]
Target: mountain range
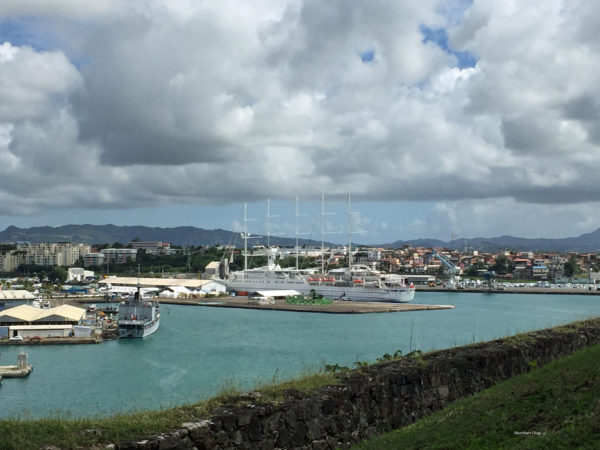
[[109, 234], [183, 236], [588, 242]]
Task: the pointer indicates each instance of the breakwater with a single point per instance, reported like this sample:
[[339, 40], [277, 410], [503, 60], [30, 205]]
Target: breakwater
[[374, 399]]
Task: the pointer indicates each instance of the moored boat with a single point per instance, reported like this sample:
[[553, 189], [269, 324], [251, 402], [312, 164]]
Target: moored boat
[[357, 282], [138, 318]]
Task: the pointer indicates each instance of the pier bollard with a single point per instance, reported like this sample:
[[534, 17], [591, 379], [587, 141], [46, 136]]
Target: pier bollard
[[22, 361]]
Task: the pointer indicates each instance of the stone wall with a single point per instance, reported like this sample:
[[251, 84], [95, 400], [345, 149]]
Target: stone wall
[[376, 399]]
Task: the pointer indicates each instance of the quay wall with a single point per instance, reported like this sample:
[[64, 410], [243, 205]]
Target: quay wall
[[512, 290], [373, 400]]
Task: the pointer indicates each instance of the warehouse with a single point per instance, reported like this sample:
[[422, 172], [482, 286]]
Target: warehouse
[[27, 321]]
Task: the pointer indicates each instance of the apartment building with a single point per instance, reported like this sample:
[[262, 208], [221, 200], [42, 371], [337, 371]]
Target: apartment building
[[50, 254], [119, 255], [93, 259], [152, 248]]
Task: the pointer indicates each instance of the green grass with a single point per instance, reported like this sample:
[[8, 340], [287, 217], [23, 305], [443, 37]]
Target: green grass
[[555, 406], [69, 433]]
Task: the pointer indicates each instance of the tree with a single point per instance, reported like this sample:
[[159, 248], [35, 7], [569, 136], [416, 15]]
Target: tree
[[474, 269], [58, 274], [571, 267], [500, 265]]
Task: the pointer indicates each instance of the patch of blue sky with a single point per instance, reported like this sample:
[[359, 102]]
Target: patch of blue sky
[[24, 32], [367, 56], [38, 35], [439, 36]]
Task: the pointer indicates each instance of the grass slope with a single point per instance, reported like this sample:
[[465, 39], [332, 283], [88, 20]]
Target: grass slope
[[555, 406], [68, 433]]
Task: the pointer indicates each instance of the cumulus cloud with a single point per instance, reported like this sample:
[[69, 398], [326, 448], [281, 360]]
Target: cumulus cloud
[[151, 102]]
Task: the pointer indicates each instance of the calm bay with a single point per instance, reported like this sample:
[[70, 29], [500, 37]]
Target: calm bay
[[198, 350]]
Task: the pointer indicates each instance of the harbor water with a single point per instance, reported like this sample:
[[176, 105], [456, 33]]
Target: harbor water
[[199, 350]]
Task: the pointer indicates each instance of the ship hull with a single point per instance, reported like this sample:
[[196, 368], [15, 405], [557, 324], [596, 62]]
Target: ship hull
[[344, 292], [137, 329], [138, 319]]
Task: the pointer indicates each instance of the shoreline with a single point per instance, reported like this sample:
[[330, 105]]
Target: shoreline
[[512, 290]]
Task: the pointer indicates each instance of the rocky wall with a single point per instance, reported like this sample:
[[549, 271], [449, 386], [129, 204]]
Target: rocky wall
[[373, 400]]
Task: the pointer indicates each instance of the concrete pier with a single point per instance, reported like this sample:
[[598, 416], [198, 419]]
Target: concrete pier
[[22, 369], [337, 307]]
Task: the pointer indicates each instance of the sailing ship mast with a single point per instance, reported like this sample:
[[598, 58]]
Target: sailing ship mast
[[323, 214], [349, 234], [246, 236], [298, 231], [269, 216]]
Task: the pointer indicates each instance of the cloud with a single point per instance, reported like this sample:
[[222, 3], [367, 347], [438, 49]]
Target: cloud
[[155, 102]]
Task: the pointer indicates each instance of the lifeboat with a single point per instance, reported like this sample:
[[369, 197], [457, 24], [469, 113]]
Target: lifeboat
[[358, 281], [314, 280], [328, 280]]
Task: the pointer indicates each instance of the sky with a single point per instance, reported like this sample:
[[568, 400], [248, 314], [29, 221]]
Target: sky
[[441, 118]]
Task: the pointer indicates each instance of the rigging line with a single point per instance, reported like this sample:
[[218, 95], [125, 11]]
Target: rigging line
[[305, 244]]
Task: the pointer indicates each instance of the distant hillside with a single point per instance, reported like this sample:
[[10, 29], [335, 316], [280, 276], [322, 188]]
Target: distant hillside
[[101, 234], [589, 242]]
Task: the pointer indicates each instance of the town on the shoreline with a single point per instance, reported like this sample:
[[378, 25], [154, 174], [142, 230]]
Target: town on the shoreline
[[51, 260]]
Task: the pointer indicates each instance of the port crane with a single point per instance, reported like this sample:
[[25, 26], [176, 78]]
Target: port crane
[[450, 268]]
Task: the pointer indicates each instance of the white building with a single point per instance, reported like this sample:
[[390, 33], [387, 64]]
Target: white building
[[79, 274], [27, 321], [46, 254], [153, 248], [193, 286]]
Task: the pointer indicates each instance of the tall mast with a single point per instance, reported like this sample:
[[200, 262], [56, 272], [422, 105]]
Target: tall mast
[[297, 215], [349, 234], [245, 237], [269, 216], [323, 214], [322, 234], [298, 230], [268, 223]]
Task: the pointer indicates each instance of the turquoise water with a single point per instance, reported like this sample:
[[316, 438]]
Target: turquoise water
[[198, 350]]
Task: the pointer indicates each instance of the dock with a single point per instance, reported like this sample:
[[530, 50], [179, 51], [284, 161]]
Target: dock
[[22, 369], [53, 341], [14, 371], [336, 307]]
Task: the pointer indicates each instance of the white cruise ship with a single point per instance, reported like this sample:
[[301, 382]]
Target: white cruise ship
[[359, 283]]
